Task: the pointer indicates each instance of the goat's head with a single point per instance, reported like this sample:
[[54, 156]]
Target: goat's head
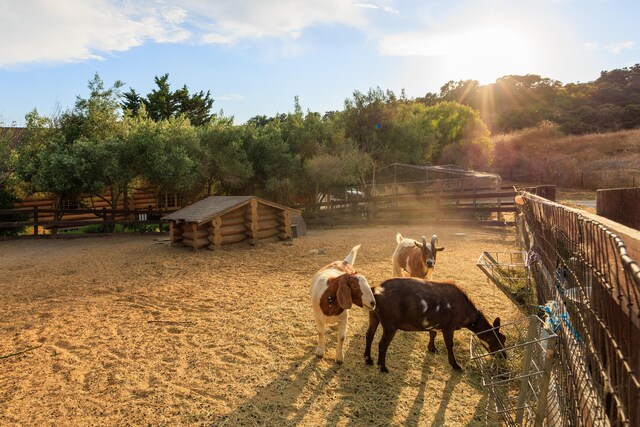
[[493, 337], [429, 251], [354, 289]]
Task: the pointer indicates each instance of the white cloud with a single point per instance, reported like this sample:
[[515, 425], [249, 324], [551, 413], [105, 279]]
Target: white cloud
[[36, 31], [366, 6], [231, 97], [70, 31], [614, 48], [236, 20]]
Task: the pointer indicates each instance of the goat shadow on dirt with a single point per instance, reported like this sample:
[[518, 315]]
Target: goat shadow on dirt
[[366, 397]]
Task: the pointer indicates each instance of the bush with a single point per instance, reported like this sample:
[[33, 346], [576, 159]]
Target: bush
[[6, 202]]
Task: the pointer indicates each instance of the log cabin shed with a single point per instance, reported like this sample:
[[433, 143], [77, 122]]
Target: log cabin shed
[[222, 220]]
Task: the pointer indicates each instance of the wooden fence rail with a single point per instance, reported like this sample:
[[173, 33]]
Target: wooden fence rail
[[437, 206], [55, 219]]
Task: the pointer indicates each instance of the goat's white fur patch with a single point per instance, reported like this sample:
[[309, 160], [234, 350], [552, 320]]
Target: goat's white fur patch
[[425, 305], [448, 305], [438, 307]]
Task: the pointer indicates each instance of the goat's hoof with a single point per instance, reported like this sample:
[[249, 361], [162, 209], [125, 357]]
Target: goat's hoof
[[456, 367], [339, 362], [319, 355], [433, 350], [368, 361], [384, 369]]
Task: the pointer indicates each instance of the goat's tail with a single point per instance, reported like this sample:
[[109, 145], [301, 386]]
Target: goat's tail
[[399, 237], [351, 258]]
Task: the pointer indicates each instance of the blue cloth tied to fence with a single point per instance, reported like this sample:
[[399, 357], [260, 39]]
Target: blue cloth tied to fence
[[555, 319]]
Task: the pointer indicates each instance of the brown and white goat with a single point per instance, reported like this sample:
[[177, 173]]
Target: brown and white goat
[[411, 304], [417, 259], [334, 288]]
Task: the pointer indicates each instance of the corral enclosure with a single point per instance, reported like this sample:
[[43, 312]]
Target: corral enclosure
[[129, 331]]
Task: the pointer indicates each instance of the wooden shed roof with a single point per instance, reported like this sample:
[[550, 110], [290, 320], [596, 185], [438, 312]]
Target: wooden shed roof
[[213, 206]]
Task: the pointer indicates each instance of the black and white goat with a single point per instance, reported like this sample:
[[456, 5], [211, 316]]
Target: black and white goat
[[334, 288], [417, 259], [411, 304]]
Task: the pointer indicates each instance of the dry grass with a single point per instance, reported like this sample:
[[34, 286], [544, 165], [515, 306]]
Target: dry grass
[[135, 332], [592, 161]]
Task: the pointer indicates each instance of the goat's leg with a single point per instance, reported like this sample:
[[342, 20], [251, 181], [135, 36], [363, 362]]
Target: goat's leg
[[320, 329], [448, 341], [374, 321], [342, 335], [387, 336], [432, 345]]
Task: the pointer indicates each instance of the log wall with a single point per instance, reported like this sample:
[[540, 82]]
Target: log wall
[[251, 222]]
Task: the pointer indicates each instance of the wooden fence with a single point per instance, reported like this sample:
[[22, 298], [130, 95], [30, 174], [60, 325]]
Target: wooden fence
[[488, 207], [476, 206], [53, 220]]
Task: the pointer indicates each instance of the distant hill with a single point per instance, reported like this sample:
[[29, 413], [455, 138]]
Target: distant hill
[[610, 103], [545, 154]]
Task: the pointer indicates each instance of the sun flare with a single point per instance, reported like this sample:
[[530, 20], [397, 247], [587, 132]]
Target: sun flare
[[488, 53]]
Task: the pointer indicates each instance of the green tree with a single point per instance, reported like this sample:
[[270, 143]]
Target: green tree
[[9, 138], [44, 146], [464, 92], [167, 153], [162, 103], [96, 117], [277, 169], [330, 170], [460, 135], [6, 151], [223, 163], [368, 119]]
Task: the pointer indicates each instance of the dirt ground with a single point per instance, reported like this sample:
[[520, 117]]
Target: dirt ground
[[131, 331]]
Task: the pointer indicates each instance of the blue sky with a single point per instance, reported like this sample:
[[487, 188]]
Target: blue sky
[[255, 56]]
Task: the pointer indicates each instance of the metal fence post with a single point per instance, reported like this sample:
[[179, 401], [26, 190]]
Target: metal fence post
[[541, 411], [526, 367]]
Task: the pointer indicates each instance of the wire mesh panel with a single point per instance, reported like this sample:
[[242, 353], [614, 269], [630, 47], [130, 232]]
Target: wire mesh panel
[[584, 267], [509, 272], [404, 178], [518, 385]]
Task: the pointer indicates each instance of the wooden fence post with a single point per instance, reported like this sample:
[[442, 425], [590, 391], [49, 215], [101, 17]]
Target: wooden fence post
[[35, 220], [620, 204]]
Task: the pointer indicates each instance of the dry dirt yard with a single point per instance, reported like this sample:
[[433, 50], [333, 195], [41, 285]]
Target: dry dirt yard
[[131, 331]]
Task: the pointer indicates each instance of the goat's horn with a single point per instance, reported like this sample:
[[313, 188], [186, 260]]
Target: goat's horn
[[434, 240], [424, 241]]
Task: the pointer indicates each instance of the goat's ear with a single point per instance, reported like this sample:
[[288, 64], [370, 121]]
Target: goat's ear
[[439, 249], [418, 245], [344, 293], [496, 323]]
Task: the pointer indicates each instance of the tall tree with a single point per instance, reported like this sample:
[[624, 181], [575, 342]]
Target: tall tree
[[367, 120], [223, 163], [162, 103], [277, 169]]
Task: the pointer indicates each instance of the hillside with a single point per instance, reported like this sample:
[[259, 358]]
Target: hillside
[[545, 155]]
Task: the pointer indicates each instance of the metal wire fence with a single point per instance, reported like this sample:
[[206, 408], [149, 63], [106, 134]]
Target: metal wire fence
[[583, 270], [517, 384]]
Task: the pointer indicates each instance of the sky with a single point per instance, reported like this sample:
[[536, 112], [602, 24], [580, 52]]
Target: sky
[[256, 56]]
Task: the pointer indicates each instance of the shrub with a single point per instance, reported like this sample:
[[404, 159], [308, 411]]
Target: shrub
[[6, 202]]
